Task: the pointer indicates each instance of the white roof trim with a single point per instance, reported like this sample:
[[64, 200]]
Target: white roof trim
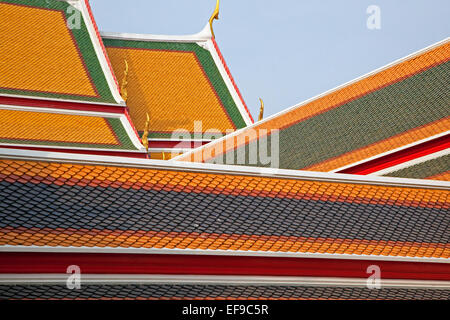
[[63, 149], [203, 35], [82, 6], [221, 169], [169, 150], [268, 254], [124, 120], [180, 140], [305, 102], [230, 280], [99, 103], [98, 114]]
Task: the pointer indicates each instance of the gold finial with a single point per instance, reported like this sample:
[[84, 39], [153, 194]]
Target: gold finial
[[123, 87], [145, 134], [261, 110], [215, 15]]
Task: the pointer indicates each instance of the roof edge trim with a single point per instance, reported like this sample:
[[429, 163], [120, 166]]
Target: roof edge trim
[[103, 59], [165, 251], [387, 153], [222, 169], [181, 279], [202, 36], [412, 162]]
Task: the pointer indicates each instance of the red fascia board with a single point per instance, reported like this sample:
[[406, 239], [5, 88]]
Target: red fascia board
[[175, 144], [122, 263], [53, 104], [400, 156], [76, 151]]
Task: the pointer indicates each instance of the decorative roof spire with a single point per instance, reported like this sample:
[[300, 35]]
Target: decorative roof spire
[[123, 87], [215, 15], [261, 110], [145, 134]]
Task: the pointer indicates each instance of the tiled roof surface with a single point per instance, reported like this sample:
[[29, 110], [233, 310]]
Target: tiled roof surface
[[436, 169], [177, 84], [219, 292], [68, 130], [54, 204], [399, 105], [43, 56]]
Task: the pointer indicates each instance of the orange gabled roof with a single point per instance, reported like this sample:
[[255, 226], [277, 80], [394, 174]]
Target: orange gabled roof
[[51, 49], [177, 80]]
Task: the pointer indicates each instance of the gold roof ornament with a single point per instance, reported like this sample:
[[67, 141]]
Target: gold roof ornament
[[123, 87], [215, 16], [145, 134], [261, 110], [163, 155]]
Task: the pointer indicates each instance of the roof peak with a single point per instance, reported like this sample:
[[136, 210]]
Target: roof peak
[[204, 35]]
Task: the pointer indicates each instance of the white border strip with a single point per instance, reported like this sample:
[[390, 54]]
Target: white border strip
[[229, 280], [98, 114], [285, 111], [203, 35], [63, 149], [169, 150], [412, 162], [62, 100], [240, 253], [82, 6], [380, 155], [131, 133], [221, 169]]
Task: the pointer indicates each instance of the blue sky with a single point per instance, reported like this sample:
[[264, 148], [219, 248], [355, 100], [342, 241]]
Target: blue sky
[[287, 51]]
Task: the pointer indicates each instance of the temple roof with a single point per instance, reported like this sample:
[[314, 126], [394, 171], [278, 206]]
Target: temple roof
[[53, 200], [52, 50], [400, 106], [177, 80]]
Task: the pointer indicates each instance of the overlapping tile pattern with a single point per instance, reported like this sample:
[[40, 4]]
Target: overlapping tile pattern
[[43, 56], [56, 129], [177, 84], [402, 104], [217, 292], [54, 204]]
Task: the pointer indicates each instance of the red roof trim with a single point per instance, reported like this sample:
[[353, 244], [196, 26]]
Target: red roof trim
[[401, 156], [53, 104], [78, 151], [231, 78], [101, 42], [123, 263]]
